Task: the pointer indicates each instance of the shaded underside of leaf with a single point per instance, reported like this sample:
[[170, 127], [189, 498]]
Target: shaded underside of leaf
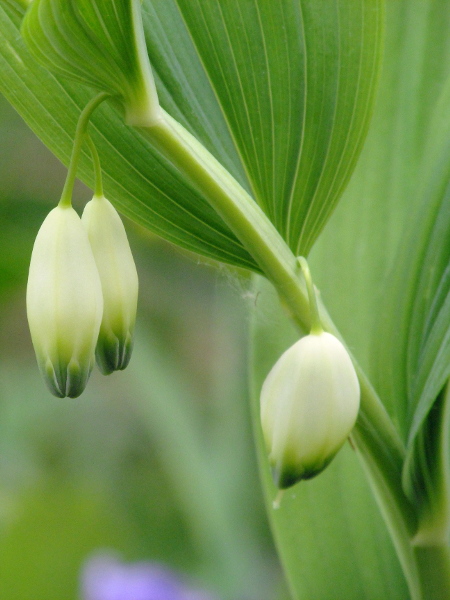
[[103, 53], [420, 288], [426, 474]]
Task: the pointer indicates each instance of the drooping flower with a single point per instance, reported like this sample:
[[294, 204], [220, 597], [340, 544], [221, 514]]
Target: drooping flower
[[64, 302], [119, 281], [309, 405]]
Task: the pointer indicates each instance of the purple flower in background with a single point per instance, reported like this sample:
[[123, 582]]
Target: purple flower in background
[[104, 577]]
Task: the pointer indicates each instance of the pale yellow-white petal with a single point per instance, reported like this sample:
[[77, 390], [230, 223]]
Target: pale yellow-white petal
[[119, 281], [64, 302], [309, 405]]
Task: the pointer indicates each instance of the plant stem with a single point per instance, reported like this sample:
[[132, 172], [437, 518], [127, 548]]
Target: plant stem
[[83, 121], [98, 191], [375, 436], [316, 325]]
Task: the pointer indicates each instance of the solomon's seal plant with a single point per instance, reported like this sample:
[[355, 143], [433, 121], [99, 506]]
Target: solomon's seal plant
[[232, 129]]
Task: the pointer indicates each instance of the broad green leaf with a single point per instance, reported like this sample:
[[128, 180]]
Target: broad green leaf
[[295, 81], [329, 532], [428, 366], [300, 87]]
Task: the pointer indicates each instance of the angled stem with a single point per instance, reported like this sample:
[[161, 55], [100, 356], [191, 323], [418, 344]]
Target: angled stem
[[83, 121]]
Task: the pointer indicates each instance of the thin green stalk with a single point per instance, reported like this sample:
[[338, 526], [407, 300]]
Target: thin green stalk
[[83, 121], [98, 188], [316, 325], [376, 437]]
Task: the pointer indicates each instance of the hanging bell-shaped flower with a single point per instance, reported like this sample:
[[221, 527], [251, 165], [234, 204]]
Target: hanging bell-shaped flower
[[119, 281], [309, 405], [64, 302]]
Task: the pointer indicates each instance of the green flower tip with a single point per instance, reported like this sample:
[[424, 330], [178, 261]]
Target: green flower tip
[[64, 303], [113, 353], [66, 379], [119, 282], [309, 405]]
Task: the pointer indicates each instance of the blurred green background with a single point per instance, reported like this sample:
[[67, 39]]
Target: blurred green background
[[155, 463]]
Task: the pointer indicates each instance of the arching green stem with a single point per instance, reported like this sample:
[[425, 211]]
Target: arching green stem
[[316, 324], [83, 121]]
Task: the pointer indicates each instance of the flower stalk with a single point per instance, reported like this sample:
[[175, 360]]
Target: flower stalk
[[83, 122]]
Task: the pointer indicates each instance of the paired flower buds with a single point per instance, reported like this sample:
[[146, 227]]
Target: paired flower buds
[[81, 295], [309, 405]]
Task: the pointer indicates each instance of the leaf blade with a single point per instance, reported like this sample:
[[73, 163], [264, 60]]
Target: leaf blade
[[270, 80]]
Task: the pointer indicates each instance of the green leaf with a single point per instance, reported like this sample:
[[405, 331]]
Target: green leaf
[[418, 360], [330, 524], [413, 348], [428, 366], [99, 43], [288, 103], [420, 287], [295, 81]]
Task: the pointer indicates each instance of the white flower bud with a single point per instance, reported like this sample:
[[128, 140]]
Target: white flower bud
[[119, 280], [309, 405], [64, 302]]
